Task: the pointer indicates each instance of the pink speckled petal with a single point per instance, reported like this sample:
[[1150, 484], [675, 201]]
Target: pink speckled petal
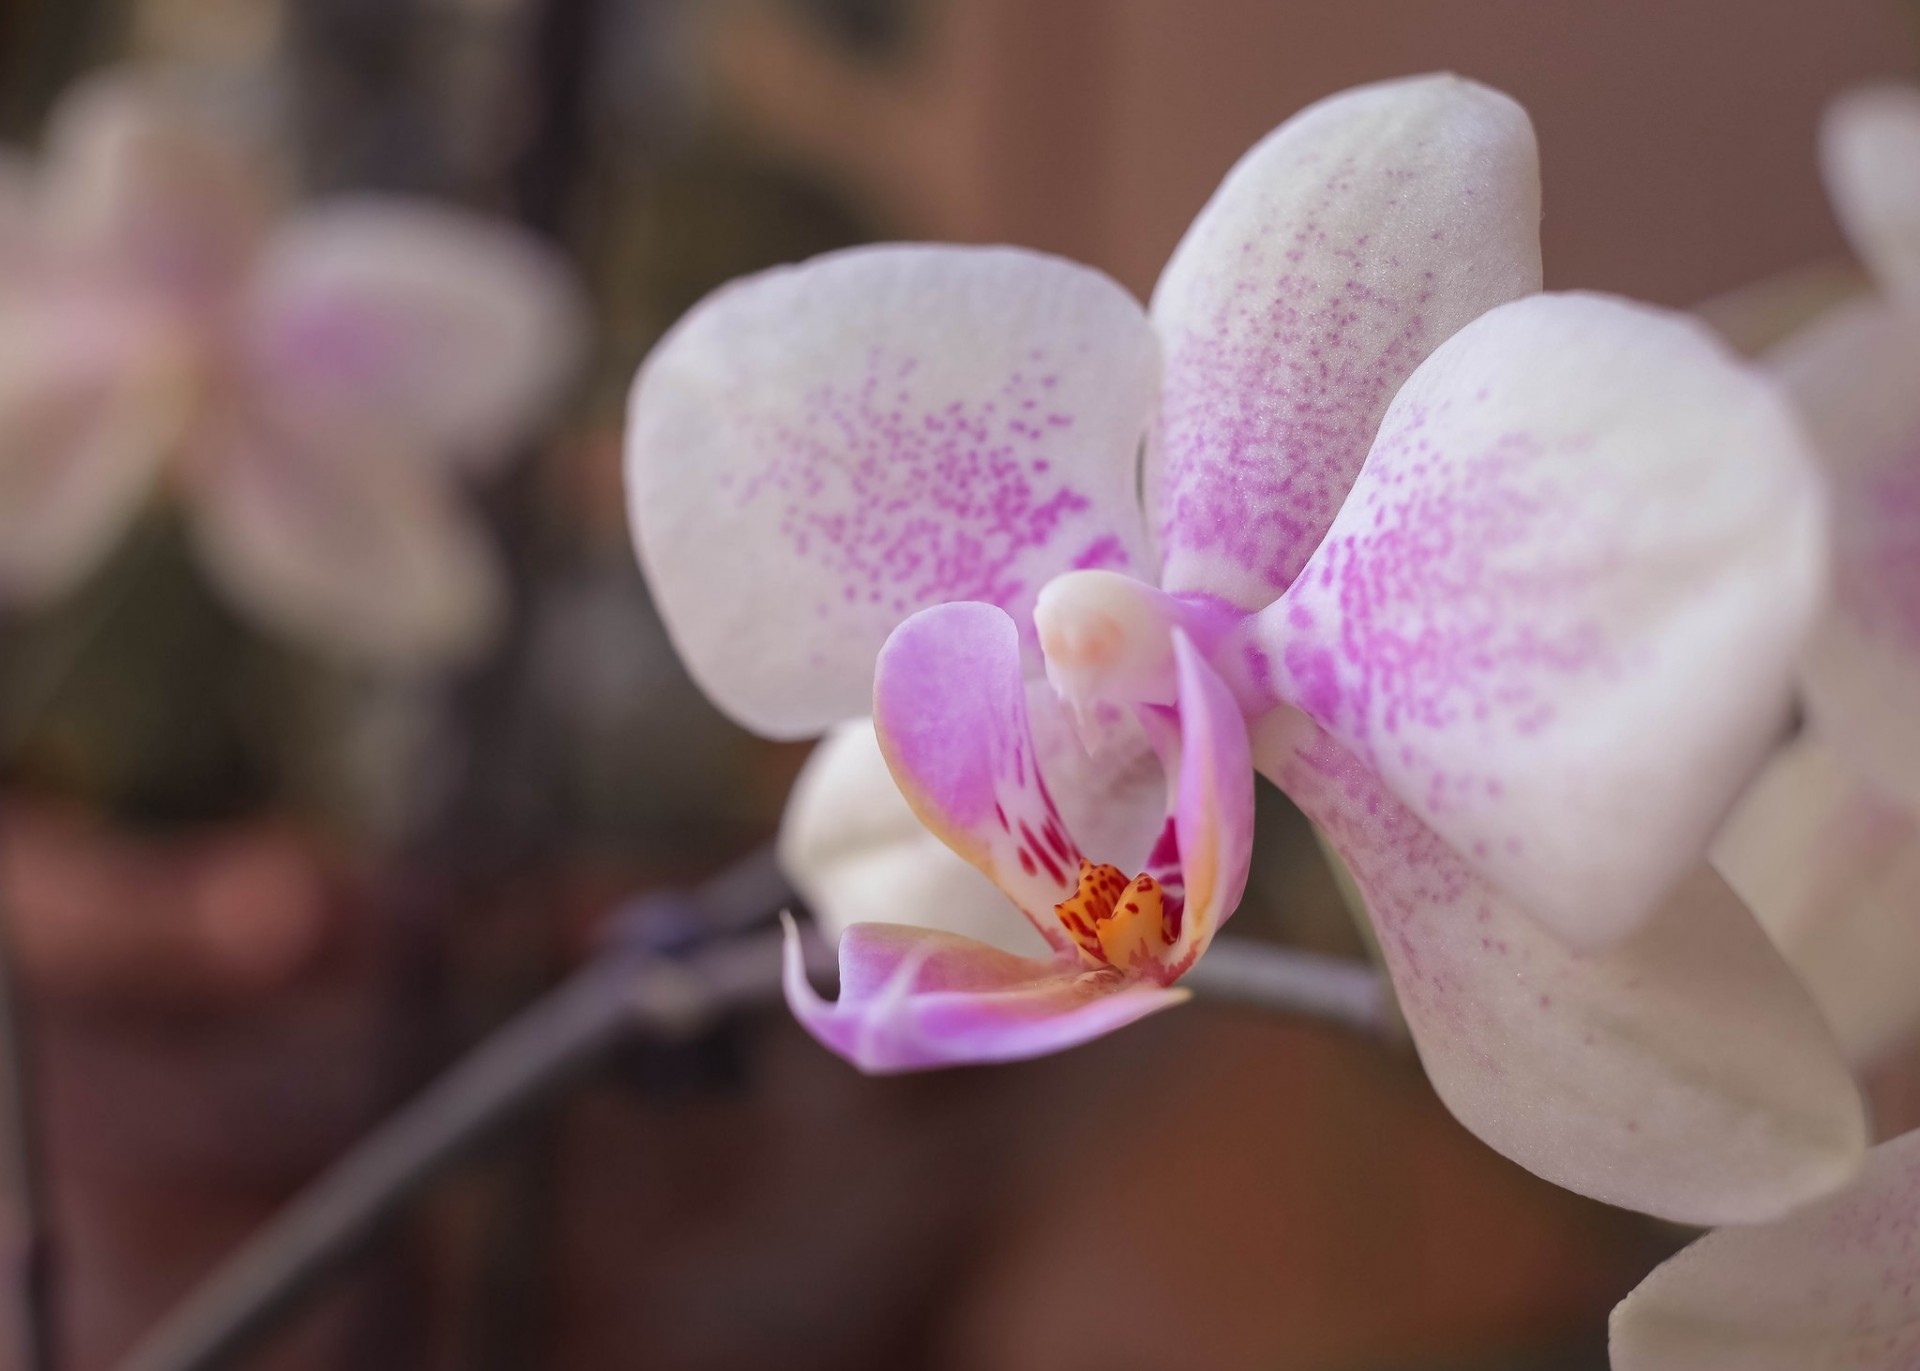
[[361, 553], [1213, 803], [1560, 613], [1831, 868], [1834, 1287], [1684, 1072], [950, 711], [1852, 377], [913, 998], [816, 452], [88, 409], [1870, 155], [1334, 257], [448, 332]]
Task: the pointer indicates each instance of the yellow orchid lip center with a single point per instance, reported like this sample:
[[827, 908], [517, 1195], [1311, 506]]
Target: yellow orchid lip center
[[1117, 922]]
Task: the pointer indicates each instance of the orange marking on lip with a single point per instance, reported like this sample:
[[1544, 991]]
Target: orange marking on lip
[[1114, 921]]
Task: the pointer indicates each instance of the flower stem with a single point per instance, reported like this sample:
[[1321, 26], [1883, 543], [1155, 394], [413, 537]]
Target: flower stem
[[1285, 980], [676, 966]]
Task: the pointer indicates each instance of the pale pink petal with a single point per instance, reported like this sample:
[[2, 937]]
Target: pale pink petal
[[91, 401], [857, 853], [145, 174], [1212, 818], [950, 711], [449, 332], [1870, 154], [815, 453], [1833, 1287], [1335, 256], [360, 552], [1560, 613], [1831, 868], [1683, 1072], [1852, 377], [912, 998]]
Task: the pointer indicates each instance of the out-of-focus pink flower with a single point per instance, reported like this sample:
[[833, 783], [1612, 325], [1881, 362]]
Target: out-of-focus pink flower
[[1826, 849], [1503, 588], [310, 385]]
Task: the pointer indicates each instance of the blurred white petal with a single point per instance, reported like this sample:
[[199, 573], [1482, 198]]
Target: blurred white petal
[[1870, 154], [447, 332], [1832, 871], [1853, 377], [144, 177], [92, 398], [360, 551]]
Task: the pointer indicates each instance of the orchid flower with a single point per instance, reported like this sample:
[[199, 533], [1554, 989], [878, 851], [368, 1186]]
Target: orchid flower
[[1827, 847], [1503, 588], [309, 387]]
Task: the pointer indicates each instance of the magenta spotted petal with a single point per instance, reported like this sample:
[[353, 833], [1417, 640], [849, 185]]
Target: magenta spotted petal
[[817, 452], [1335, 256], [1560, 611]]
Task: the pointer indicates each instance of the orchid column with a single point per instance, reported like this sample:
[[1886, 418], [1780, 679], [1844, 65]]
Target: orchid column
[[1504, 588]]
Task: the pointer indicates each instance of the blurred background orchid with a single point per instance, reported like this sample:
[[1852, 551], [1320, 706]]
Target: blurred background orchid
[[337, 725]]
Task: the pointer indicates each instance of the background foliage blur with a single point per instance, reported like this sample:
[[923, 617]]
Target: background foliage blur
[[260, 898]]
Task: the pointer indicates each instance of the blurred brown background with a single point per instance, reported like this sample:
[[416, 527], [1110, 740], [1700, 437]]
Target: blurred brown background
[[1208, 1191]]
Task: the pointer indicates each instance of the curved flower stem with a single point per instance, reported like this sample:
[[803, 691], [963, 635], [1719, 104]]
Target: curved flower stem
[[1332, 990], [658, 980], [519, 1068]]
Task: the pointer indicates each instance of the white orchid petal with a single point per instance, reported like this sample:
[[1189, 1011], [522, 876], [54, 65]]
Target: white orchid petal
[[360, 552], [1560, 612], [858, 854], [817, 452], [1684, 1072], [1851, 376], [1870, 155], [1334, 257], [1833, 1287], [446, 331], [1832, 871]]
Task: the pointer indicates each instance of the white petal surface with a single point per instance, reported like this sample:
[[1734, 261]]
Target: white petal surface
[[1333, 258], [816, 452], [1684, 1073], [1834, 1287], [89, 406], [858, 854], [1832, 870], [1870, 155], [1560, 612], [360, 552], [1852, 377], [446, 331]]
